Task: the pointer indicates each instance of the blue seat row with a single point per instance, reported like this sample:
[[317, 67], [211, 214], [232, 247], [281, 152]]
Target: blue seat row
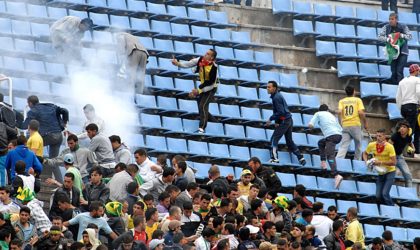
[[363, 71], [33, 67], [403, 235], [387, 92]]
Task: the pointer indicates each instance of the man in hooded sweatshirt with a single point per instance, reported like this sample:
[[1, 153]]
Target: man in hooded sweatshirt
[[121, 152]]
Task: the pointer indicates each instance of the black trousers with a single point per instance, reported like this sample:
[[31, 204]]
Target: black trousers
[[409, 112], [392, 3], [203, 107]]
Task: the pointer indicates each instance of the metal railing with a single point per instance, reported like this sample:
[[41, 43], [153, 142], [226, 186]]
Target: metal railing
[[10, 82]]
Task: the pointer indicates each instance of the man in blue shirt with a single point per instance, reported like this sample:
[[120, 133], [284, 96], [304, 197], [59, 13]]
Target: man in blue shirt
[[283, 124], [331, 130]]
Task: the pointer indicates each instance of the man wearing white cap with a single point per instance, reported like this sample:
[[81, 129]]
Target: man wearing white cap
[[156, 244], [407, 98]]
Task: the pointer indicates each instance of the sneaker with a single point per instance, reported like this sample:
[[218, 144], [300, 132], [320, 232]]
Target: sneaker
[[200, 131], [302, 161], [273, 160], [324, 165], [338, 178]]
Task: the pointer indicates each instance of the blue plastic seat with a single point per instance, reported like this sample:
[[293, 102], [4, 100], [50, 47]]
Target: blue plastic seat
[[239, 152], [119, 22], [199, 16], [102, 37], [56, 69], [190, 126], [367, 35], [179, 12], [243, 38], [20, 45], [249, 77], [266, 59], [165, 46], [344, 166], [246, 57], [198, 147], [202, 170], [21, 84], [373, 231], [310, 102], [38, 86], [347, 69], [249, 94], [118, 7], [266, 76], [5, 26], [16, 8], [411, 214], [262, 154], [303, 28], [368, 209], [185, 48], [78, 13], [370, 90], [201, 49], [223, 37], [383, 16], [325, 49], [345, 14], [366, 188], [389, 91], [182, 31], [408, 193], [56, 13], [410, 19], [228, 73], [226, 55], [367, 16], [99, 20], [345, 33], [158, 11], [325, 31], [99, 6], [226, 93], [219, 150], [326, 201], [40, 30], [394, 112], [347, 51], [38, 12], [303, 10], [202, 35], [385, 71], [21, 28], [139, 8], [230, 111], [289, 80], [398, 233], [34, 66], [184, 85], [146, 101], [177, 146], [156, 142], [292, 100], [287, 180], [412, 234], [148, 121], [324, 12], [188, 105], [343, 206], [414, 41], [308, 181], [163, 28], [163, 83], [256, 134], [413, 56], [298, 121], [283, 7], [391, 212], [219, 18], [141, 26], [367, 53]]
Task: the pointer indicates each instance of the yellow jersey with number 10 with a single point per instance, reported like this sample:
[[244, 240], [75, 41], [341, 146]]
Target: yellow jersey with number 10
[[349, 108]]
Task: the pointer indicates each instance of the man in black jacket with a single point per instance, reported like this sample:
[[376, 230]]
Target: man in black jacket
[[216, 180], [95, 190], [52, 120], [333, 240], [269, 177], [67, 189]]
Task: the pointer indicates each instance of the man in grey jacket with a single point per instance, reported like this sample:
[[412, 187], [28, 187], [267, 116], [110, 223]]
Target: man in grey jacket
[[121, 152], [84, 159], [159, 184], [132, 56], [101, 146]]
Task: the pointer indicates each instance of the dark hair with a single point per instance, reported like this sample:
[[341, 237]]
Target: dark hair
[[255, 160], [92, 127], [218, 191], [172, 188], [141, 152], [323, 107], [121, 166], [33, 99], [191, 186], [295, 245], [20, 167], [182, 165], [33, 125], [168, 171], [6, 189], [92, 225], [102, 247], [393, 14], [416, 242], [149, 213], [70, 175], [381, 130], [244, 233], [291, 204], [317, 206], [268, 225], [349, 90], [132, 187], [72, 137], [162, 160], [148, 197], [174, 209], [239, 219], [256, 186], [95, 205], [377, 241], [187, 205], [132, 168], [178, 158], [157, 234], [279, 226], [214, 53], [230, 218], [332, 208], [230, 228], [222, 244], [208, 232], [274, 83], [127, 238], [337, 224], [387, 235], [225, 202], [255, 204], [63, 198], [4, 233], [178, 237], [307, 212], [217, 221], [164, 195], [300, 189], [232, 188], [96, 169], [57, 218], [21, 140], [206, 197], [115, 138], [16, 242], [137, 220], [77, 245], [25, 209], [141, 204]]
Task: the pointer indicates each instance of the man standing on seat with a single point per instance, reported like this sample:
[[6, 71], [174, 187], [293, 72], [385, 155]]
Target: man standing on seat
[[206, 68], [283, 124], [396, 36], [352, 116], [331, 130], [407, 98], [132, 56]]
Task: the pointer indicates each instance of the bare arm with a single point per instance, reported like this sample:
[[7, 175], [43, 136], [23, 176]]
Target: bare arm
[[363, 119]]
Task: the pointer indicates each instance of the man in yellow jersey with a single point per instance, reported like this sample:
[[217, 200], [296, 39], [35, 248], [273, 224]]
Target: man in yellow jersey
[[35, 141], [383, 159], [354, 232], [351, 115]]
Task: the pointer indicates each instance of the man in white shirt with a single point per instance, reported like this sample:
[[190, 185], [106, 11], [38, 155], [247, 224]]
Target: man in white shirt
[[91, 117], [147, 169], [7, 205], [321, 222], [408, 99]]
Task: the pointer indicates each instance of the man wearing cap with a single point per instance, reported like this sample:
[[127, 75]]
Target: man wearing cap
[[156, 244], [53, 240], [174, 227], [408, 95], [68, 165], [245, 184], [66, 35], [27, 196]]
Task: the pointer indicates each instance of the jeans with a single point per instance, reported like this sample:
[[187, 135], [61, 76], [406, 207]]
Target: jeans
[[397, 68], [284, 128], [409, 112], [53, 141], [349, 133], [403, 167], [238, 2], [327, 150], [203, 107], [393, 5], [383, 187]]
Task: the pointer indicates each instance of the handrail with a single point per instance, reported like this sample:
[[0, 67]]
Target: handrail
[[10, 81]]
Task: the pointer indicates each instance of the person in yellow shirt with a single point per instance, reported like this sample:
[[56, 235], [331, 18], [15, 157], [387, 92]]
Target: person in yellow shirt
[[152, 221], [354, 232], [245, 184], [352, 116], [380, 155], [35, 141]]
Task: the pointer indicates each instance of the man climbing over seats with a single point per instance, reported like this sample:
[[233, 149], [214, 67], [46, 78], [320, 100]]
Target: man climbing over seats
[[396, 36], [352, 117], [132, 56], [206, 68], [331, 130], [283, 124], [407, 99], [66, 36]]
